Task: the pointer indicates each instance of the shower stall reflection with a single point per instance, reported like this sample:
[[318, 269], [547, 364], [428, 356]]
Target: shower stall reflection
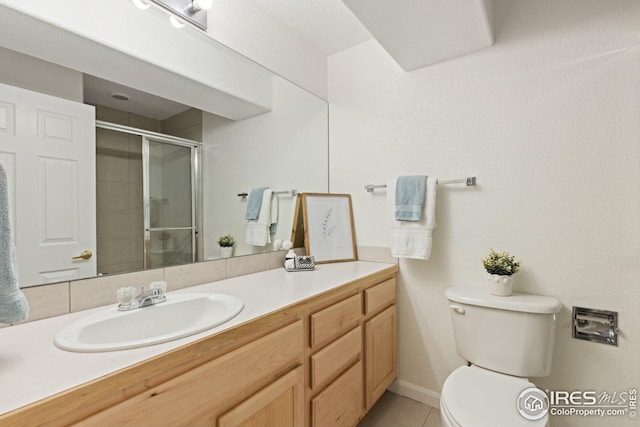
[[146, 199], [169, 189]]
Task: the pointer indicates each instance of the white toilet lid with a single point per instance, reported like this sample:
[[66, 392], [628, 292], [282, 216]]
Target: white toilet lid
[[477, 397]]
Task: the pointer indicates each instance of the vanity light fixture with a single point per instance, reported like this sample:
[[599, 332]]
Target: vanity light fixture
[[198, 5], [141, 4], [176, 22], [181, 12]]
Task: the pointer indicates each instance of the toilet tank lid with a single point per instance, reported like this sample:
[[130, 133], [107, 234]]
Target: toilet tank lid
[[517, 301]]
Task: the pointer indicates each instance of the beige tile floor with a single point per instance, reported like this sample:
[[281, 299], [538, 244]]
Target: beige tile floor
[[393, 410]]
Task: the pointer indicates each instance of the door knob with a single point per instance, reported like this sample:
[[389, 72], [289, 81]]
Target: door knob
[[84, 255]]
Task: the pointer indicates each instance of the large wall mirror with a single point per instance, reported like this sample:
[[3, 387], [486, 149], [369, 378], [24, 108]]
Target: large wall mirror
[[167, 175]]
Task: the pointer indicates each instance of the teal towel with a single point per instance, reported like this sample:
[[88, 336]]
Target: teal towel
[[410, 192], [253, 203], [13, 304]]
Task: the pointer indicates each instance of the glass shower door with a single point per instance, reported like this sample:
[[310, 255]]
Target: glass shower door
[[169, 203]]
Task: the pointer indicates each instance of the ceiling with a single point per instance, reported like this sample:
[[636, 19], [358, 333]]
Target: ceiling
[[415, 33], [100, 92], [327, 24]]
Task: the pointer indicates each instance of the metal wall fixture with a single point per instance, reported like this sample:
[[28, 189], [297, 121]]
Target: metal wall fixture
[[192, 11], [469, 181], [595, 325], [293, 193]]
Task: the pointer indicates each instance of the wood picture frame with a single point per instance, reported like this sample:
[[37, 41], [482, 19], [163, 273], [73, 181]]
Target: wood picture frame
[[329, 232]]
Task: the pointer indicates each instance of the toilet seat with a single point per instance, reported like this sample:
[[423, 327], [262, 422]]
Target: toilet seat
[[477, 397]]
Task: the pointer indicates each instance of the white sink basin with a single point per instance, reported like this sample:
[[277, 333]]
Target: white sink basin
[[180, 316]]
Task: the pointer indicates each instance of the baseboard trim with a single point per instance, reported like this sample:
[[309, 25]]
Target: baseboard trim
[[412, 391]]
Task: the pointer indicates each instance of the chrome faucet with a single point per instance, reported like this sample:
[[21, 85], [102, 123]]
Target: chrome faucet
[[128, 300]]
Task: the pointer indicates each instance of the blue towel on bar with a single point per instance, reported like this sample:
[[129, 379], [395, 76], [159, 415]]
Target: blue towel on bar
[[410, 192], [253, 203], [13, 304]]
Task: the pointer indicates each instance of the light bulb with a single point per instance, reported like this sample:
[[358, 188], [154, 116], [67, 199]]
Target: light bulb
[[203, 4], [176, 22], [141, 4]]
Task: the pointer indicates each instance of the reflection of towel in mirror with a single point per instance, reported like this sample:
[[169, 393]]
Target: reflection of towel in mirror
[[273, 220], [254, 201], [258, 230], [13, 304], [413, 239]]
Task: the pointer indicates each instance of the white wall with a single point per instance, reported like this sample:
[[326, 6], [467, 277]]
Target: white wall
[[34, 74], [284, 149], [548, 120], [243, 26]]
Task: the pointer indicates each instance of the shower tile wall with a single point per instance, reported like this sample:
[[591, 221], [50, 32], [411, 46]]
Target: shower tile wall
[[120, 226], [187, 124]]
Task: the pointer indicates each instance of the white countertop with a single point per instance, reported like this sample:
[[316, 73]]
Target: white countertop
[[33, 368]]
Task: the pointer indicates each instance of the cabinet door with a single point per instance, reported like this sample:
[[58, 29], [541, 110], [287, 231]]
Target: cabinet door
[[279, 404], [198, 396], [340, 404], [380, 354]]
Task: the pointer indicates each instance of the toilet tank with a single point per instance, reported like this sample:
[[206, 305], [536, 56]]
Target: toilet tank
[[513, 335]]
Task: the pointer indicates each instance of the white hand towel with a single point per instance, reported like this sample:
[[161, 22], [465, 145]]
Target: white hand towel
[[273, 221], [13, 304], [413, 239], [258, 230]]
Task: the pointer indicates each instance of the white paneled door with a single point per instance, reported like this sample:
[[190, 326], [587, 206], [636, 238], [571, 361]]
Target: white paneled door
[[47, 145]]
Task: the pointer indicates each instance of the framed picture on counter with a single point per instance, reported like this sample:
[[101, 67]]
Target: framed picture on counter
[[328, 227]]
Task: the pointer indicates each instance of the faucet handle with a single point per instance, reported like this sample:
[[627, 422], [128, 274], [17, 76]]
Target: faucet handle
[[158, 290], [160, 285], [126, 295]]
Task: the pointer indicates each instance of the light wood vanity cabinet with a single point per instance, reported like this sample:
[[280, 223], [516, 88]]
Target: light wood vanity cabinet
[[348, 369], [279, 404], [380, 339], [201, 395], [322, 362], [380, 354]]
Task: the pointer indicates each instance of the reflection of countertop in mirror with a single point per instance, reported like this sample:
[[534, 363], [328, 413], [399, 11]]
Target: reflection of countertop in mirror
[[33, 368]]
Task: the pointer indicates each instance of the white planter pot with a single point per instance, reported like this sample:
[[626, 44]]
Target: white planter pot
[[500, 285], [226, 251]]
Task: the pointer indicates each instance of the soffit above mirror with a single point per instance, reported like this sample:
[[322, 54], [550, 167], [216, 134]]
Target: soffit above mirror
[[116, 41], [417, 34]]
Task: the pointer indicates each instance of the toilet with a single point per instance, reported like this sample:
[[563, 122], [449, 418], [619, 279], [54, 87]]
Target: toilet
[[505, 340]]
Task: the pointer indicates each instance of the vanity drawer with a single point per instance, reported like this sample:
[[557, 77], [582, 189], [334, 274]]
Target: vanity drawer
[[335, 320], [332, 359], [341, 403], [379, 296]]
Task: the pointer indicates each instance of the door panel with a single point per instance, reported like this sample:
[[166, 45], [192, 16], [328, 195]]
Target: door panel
[[48, 147], [169, 203]]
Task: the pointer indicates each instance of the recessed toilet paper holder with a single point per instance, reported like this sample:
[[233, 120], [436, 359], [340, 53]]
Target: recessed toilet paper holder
[[595, 325]]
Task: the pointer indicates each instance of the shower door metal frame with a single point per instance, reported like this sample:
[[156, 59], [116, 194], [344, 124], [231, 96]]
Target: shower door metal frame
[[195, 171], [146, 197]]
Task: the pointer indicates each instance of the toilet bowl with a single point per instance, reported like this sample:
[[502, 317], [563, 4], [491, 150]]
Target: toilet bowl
[[476, 397], [506, 340]]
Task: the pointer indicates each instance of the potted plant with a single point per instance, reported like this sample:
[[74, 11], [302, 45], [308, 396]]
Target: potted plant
[[226, 243], [501, 267]]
